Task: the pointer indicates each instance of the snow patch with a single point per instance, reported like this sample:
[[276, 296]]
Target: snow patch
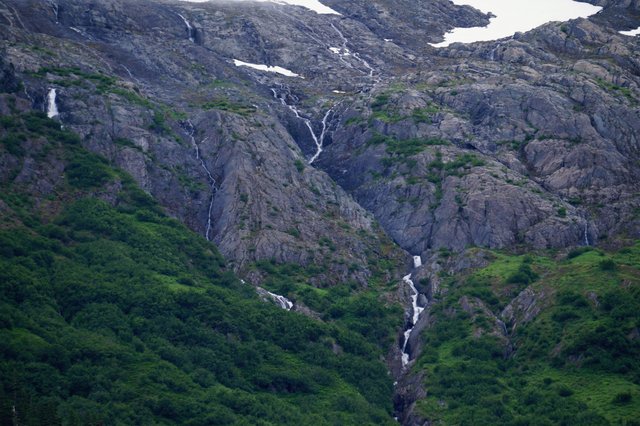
[[512, 16], [267, 68], [631, 33], [313, 5]]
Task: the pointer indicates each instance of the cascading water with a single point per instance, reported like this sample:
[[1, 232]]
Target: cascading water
[[318, 140], [190, 131], [190, 29], [282, 301], [52, 107], [492, 55], [55, 8], [417, 310], [586, 233], [344, 51]]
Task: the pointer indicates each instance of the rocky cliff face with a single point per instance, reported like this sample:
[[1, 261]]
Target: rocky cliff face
[[544, 154], [531, 141]]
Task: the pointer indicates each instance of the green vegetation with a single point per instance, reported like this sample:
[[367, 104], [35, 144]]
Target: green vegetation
[[74, 76], [383, 110], [425, 115], [345, 304], [612, 87], [576, 362], [113, 313], [224, 104], [102, 84], [401, 149]]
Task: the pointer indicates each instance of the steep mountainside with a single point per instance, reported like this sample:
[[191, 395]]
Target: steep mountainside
[[113, 313], [321, 152]]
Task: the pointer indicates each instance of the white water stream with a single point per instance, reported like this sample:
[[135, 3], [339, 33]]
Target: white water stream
[[190, 31], [55, 8], [343, 51], [417, 310], [190, 131], [586, 233], [512, 16], [318, 140], [52, 107], [282, 301]]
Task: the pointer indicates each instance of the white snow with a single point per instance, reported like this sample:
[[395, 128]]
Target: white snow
[[631, 33], [417, 261], [313, 5], [52, 107], [516, 16], [267, 68]]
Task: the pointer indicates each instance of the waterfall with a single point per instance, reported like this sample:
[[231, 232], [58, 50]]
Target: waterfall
[[55, 8], [282, 301], [492, 55], [52, 107], [190, 131], [190, 29], [128, 71], [586, 233], [417, 310], [344, 51], [318, 140]]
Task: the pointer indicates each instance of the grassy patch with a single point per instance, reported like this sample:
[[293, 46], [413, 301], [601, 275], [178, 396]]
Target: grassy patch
[[576, 362]]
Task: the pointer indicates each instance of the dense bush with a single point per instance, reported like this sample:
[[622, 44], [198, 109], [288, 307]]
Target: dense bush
[[577, 361], [113, 313]]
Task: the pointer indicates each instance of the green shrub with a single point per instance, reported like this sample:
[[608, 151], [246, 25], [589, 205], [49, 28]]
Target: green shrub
[[622, 398], [87, 171], [607, 265]]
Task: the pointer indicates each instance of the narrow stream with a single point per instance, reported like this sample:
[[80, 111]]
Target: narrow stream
[[190, 131], [190, 30], [417, 310], [586, 233], [318, 140], [282, 301], [344, 51]]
